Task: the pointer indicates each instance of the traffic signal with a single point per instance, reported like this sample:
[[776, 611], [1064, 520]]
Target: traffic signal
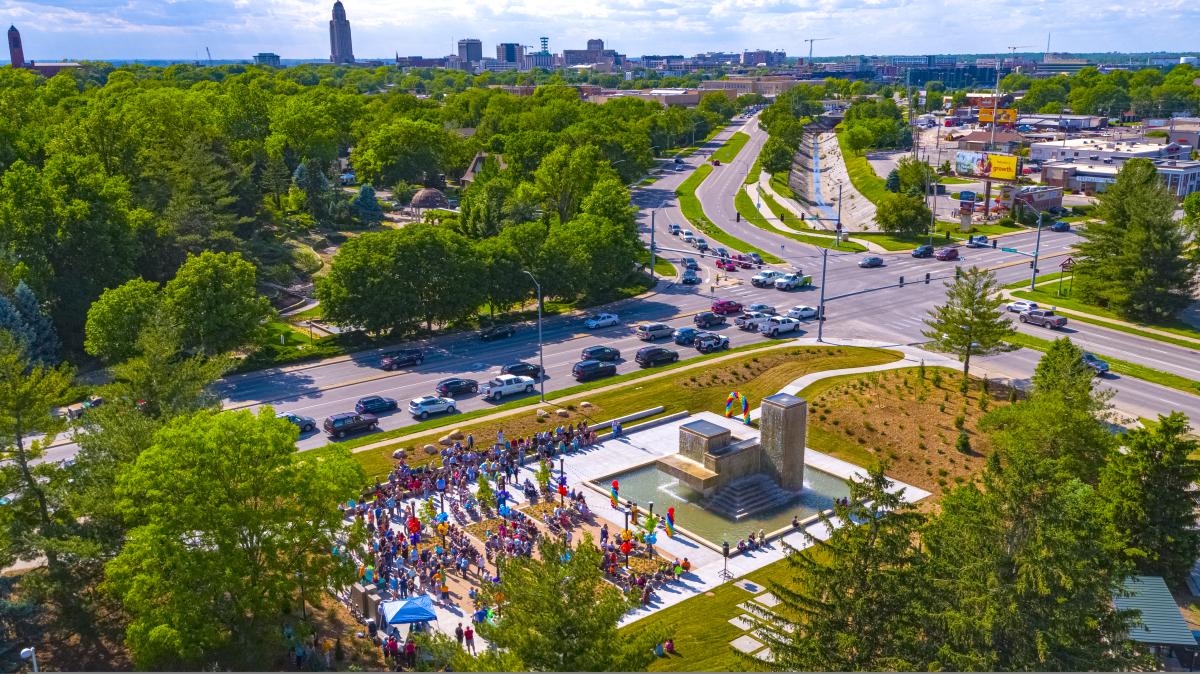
[[739, 216], [926, 278]]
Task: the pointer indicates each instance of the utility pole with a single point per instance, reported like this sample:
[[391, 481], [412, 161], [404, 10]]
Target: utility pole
[[821, 309], [652, 245], [541, 355], [1037, 247]]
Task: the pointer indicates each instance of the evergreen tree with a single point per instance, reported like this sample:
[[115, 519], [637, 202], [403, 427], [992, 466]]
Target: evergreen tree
[[893, 181], [366, 207], [971, 321], [12, 323], [43, 340], [1152, 497]]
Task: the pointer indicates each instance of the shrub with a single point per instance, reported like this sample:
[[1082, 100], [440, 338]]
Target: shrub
[[960, 420], [963, 444], [936, 379]]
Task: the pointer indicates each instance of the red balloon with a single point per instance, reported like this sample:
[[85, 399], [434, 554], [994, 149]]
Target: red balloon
[[671, 511], [616, 485], [626, 547], [562, 489]]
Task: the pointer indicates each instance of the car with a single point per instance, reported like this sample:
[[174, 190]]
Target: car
[[792, 281], [707, 319], [340, 424], [722, 253], [924, 250], [750, 320], [455, 386], [305, 424], [521, 369], [716, 162], [870, 261], [674, 229], [396, 359], [605, 353], [762, 308], [592, 369], [946, 254], [497, 332], [506, 384], [678, 160], [687, 236], [744, 261], [685, 336], [755, 257], [726, 265], [422, 407], [1021, 306], [980, 241], [648, 332], [726, 307], [655, 355], [700, 244], [375, 405], [778, 325], [707, 342], [801, 312], [1043, 317], [1099, 366], [1061, 226], [602, 321], [691, 263], [689, 277], [765, 279]]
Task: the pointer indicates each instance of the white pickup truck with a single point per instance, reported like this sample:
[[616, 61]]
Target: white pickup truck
[[778, 325], [750, 320], [765, 279], [506, 384]]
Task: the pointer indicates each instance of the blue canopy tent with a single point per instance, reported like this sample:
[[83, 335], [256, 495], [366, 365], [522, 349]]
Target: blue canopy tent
[[407, 611]]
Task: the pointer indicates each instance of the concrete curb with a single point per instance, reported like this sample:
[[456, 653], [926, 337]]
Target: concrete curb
[[1007, 293]]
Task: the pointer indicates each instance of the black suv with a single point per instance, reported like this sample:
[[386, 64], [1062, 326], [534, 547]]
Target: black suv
[[457, 385], [655, 355], [605, 353], [339, 425], [395, 359], [707, 319], [923, 251], [592, 369], [522, 370], [497, 332]]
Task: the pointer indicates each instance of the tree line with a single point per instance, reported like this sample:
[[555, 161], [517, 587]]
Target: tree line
[[1148, 92]]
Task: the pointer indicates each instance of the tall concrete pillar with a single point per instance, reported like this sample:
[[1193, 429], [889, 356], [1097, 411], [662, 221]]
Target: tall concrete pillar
[[783, 429]]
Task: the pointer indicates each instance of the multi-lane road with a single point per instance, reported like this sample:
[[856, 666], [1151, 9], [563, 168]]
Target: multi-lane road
[[861, 303]]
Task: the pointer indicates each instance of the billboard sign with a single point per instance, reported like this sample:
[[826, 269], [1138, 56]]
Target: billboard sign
[[966, 202], [1002, 115], [991, 165]]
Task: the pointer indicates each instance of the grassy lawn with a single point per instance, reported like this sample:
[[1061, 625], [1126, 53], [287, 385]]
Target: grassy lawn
[[779, 182], [1053, 276], [661, 266], [312, 313], [745, 206], [689, 150], [694, 212], [754, 374], [1048, 295], [907, 242], [862, 176], [755, 171], [727, 152], [1121, 367], [952, 180]]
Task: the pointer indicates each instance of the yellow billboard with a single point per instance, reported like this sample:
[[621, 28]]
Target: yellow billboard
[[985, 165], [1004, 166], [1002, 115]]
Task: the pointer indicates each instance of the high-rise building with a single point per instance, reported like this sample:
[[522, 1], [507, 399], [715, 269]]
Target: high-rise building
[[266, 59], [341, 50], [15, 51], [595, 45], [470, 50], [509, 52]]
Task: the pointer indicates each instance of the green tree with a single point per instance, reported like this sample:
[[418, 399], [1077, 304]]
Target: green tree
[[1135, 259], [13, 325], [485, 493], [904, 214], [893, 181], [717, 103], [609, 199], [1191, 213], [915, 176], [404, 149], [558, 613], [366, 207], [777, 155], [505, 284], [118, 316], [244, 531], [566, 176], [215, 301], [1151, 491], [43, 344], [164, 381], [851, 603], [859, 138], [971, 321]]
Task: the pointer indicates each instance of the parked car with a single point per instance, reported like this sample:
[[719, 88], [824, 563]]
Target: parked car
[[691, 263], [744, 261], [422, 407], [946, 254], [592, 369], [648, 332], [689, 277], [979, 241], [726, 265], [750, 320], [723, 254], [506, 384], [375, 405], [456, 386], [685, 336], [716, 162], [343, 423], [519, 369], [924, 250], [655, 355], [674, 229], [497, 332], [792, 281], [602, 321], [605, 353], [401, 358], [707, 342], [726, 307], [1043, 317], [801, 312], [1021, 306], [707, 319], [762, 308], [870, 261], [778, 325], [765, 279], [1099, 366], [1061, 226], [305, 424]]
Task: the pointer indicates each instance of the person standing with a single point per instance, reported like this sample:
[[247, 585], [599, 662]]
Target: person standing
[[469, 636], [458, 635]]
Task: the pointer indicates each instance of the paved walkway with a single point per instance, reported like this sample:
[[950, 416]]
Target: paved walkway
[[754, 190]]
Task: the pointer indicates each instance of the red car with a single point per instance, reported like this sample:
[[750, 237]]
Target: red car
[[743, 260], [947, 254], [727, 265], [726, 307]]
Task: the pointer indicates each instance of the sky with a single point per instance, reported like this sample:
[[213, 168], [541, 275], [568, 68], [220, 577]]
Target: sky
[[299, 29]]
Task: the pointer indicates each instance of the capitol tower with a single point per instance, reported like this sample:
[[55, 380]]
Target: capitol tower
[[340, 48]]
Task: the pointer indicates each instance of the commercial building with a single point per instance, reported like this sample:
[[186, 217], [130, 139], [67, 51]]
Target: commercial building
[[470, 50], [510, 52], [657, 62], [595, 54], [763, 57], [1063, 122], [419, 62], [1103, 150], [1180, 177], [1180, 129], [767, 86], [1061, 64], [266, 59], [667, 97], [1038, 197], [341, 48]]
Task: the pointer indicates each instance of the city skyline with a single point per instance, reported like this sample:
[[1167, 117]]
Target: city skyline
[[299, 29]]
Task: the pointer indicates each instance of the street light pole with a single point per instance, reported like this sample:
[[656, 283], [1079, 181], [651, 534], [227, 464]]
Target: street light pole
[[30, 654], [652, 246], [541, 357], [821, 308], [1037, 247]]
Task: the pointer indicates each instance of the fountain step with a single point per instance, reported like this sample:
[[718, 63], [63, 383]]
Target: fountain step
[[749, 495]]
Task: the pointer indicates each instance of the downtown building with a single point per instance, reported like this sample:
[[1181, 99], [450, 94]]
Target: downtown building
[[341, 49]]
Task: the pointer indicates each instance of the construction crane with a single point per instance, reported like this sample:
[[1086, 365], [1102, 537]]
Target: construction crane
[[810, 42], [206, 51]]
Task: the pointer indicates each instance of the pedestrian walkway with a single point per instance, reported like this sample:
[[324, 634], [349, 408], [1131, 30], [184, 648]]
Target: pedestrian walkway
[[754, 191]]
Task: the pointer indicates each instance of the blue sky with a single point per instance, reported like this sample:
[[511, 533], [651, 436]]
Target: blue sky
[[236, 29]]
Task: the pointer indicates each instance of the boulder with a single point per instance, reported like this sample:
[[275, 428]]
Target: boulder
[[456, 434], [399, 454], [562, 413], [585, 405], [542, 413], [430, 449], [445, 440]]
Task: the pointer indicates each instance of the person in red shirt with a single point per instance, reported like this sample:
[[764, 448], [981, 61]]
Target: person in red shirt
[[469, 636]]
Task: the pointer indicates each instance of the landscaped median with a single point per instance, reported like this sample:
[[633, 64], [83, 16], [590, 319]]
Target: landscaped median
[[756, 371], [750, 213], [1168, 379]]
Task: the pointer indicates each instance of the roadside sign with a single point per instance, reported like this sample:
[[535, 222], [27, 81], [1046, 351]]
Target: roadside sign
[[1010, 250], [1067, 264]]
